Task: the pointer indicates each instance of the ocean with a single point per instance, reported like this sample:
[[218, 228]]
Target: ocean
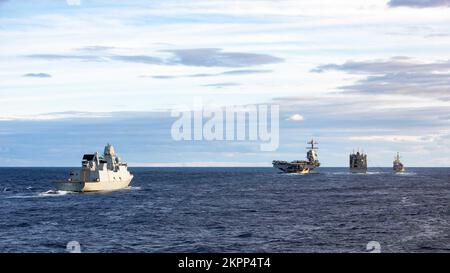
[[230, 210]]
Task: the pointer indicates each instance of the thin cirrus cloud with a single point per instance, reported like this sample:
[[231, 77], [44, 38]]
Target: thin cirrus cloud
[[201, 57], [419, 3], [57, 57], [37, 75], [95, 48], [222, 84], [401, 76], [137, 59], [204, 75], [214, 57]]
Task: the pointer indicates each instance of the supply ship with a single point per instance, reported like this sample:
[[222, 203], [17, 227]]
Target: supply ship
[[98, 173], [397, 165], [300, 166], [358, 162]]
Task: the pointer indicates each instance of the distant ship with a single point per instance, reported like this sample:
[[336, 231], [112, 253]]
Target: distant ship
[[358, 162], [300, 166], [98, 173], [397, 165]]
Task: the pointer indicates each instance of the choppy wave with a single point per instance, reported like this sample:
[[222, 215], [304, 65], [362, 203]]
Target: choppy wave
[[356, 173], [198, 209]]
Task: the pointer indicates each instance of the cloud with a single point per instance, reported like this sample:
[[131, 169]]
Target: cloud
[[225, 73], [419, 3], [37, 75], [55, 116], [213, 57], [296, 117], [390, 138], [137, 59], [161, 77], [397, 76], [95, 48], [203, 57], [393, 65], [222, 84], [339, 113], [56, 57], [245, 72], [231, 73]]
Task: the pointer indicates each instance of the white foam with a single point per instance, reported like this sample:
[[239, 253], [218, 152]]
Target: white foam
[[133, 188], [406, 173], [53, 193]]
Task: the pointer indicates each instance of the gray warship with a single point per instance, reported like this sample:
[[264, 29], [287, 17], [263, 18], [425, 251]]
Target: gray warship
[[98, 173], [397, 165], [300, 166], [358, 162]]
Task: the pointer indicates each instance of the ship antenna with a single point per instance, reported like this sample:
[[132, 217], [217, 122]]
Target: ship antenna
[[312, 142]]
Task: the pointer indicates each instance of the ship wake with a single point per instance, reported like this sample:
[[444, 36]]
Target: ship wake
[[54, 193]]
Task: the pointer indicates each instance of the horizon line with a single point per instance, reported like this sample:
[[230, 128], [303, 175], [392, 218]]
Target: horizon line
[[211, 166]]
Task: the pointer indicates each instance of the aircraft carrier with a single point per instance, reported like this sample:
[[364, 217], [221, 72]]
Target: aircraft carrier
[[300, 166]]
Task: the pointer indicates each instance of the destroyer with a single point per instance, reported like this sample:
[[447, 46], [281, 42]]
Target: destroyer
[[98, 173], [358, 162], [397, 165], [300, 166]]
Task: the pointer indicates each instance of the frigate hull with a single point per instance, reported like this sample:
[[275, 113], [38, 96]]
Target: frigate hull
[[398, 168], [80, 186]]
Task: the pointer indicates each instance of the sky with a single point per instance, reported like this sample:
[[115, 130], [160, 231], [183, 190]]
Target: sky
[[373, 75]]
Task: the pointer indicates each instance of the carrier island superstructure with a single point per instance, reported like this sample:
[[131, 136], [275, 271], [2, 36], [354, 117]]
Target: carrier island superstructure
[[300, 166], [98, 173], [358, 162]]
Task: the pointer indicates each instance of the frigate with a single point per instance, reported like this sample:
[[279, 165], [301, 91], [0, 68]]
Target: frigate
[[98, 173], [300, 166], [358, 162], [397, 165]]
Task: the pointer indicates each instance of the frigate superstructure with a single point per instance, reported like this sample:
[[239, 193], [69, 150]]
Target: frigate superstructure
[[98, 173], [397, 165], [300, 166], [358, 162]]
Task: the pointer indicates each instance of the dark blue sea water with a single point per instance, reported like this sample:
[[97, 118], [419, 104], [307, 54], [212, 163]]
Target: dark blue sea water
[[230, 210]]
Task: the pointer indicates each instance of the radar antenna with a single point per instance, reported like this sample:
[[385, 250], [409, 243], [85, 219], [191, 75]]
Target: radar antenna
[[312, 143]]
